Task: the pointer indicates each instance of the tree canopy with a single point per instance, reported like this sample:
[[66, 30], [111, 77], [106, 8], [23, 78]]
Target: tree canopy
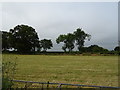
[[80, 37], [117, 48], [96, 49], [5, 40], [24, 38], [46, 44], [70, 39]]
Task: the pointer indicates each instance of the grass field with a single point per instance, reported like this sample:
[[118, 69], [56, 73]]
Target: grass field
[[88, 70]]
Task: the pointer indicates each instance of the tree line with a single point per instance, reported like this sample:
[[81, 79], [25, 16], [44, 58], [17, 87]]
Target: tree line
[[24, 39]]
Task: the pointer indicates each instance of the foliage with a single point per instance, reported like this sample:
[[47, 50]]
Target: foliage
[[6, 83], [8, 71], [5, 40], [68, 40], [24, 38], [96, 49], [46, 44], [117, 48], [80, 37]]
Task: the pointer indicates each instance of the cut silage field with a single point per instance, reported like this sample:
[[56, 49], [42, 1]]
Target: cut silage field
[[87, 70]]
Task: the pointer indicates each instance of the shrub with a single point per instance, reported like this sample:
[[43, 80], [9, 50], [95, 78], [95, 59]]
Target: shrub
[[8, 71]]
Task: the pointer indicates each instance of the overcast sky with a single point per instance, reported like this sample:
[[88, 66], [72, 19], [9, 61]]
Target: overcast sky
[[50, 19]]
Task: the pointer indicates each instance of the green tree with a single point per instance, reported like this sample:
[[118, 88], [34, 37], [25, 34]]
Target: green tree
[[80, 37], [68, 41], [46, 44], [62, 38], [117, 48], [5, 40], [96, 49], [24, 38]]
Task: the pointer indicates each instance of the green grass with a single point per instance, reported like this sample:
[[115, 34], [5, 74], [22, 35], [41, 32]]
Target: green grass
[[88, 70]]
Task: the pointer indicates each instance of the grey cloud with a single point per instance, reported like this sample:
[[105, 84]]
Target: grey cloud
[[52, 19]]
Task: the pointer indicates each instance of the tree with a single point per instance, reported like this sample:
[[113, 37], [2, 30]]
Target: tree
[[68, 41], [24, 38], [80, 37], [5, 41], [62, 38], [46, 44], [96, 49], [117, 48]]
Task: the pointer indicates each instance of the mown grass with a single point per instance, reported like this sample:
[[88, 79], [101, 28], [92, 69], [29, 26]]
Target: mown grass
[[88, 70]]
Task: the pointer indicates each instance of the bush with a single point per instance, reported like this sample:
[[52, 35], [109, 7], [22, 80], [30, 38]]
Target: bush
[[6, 83], [8, 71]]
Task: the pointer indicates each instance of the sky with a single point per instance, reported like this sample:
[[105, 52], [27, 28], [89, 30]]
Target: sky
[[50, 19]]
